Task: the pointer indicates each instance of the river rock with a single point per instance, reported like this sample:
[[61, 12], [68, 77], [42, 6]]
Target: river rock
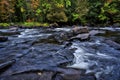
[[113, 44], [84, 36], [8, 33], [116, 24], [13, 28], [5, 64], [68, 74], [86, 77], [3, 39], [38, 75], [79, 30], [96, 32]]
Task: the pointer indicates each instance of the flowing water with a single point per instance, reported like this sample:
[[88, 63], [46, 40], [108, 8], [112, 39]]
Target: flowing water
[[96, 56]]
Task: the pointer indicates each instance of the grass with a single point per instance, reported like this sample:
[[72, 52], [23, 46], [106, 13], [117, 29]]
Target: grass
[[32, 24], [4, 24], [24, 24]]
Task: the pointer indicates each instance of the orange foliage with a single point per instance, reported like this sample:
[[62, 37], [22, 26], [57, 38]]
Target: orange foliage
[[6, 8]]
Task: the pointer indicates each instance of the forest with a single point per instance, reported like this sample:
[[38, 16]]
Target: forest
[[70, 12]]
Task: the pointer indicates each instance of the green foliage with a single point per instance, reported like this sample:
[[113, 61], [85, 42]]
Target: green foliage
[[32, 24], [68, 3], [57, 17], [56, 13], [4, 24], [104, 12], [67, 11]]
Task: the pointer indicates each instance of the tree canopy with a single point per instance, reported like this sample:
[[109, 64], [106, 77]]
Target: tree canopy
[[61, 11]]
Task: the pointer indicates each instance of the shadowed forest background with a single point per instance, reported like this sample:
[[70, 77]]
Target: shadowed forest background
[[84, 12]]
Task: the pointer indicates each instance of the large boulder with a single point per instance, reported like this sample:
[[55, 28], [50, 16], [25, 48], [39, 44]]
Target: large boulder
[[79, 30], [81, 33], [3, 39]]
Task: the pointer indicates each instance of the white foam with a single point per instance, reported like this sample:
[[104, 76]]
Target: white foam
[[80, 65], [83, 59], [79, 56], [30, 36], [103, 55], [62, 29]]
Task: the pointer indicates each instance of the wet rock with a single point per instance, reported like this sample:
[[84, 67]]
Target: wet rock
[[5, 64], [38, 75], [116, 24], [8, 33], [68, 74], [113, 44], [3, 39], [80, 33], [96, 32], [81, 37], [86, 77], [79, 30], [13, 28]]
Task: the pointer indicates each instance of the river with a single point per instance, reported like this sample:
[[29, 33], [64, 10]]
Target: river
[[39, 52]]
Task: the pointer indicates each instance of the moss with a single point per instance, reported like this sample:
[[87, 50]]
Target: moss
[[24, 24], [4, 24], [33, 24]]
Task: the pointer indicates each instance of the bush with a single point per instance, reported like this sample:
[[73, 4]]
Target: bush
[[4, 24], [57, 17]]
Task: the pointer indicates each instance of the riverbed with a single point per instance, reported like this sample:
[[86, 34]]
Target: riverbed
[[42, 54]]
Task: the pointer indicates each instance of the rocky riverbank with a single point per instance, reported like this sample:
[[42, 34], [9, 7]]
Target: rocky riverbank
[[77, 53]]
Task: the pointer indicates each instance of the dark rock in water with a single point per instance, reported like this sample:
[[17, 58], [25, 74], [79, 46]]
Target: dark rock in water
[[96, 32], [87, 77], [5, 64], [79, 30], [8, 33], [38, 75], [116, 24], [3, 39], [13, 28], [81, 37], [113, 44], [70, 74], [80, 33]]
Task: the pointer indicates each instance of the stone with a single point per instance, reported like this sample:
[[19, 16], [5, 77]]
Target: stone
[[13, 28], [3, 39], [96, 32], [8, 33], [79, 30], [38, 75], [84, 36], [116, 24], [5, 64], [69, 74], [113, 44], [87, 77]]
